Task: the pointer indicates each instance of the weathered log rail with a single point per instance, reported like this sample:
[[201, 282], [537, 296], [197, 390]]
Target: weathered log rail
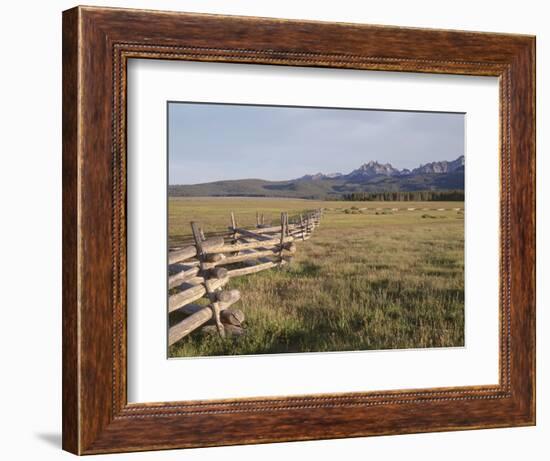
[[203, 268]]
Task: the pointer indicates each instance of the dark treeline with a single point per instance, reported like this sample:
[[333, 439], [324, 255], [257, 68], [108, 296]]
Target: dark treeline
[[409, 196]]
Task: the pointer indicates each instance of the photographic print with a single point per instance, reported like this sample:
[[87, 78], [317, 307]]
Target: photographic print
[[313, 229]]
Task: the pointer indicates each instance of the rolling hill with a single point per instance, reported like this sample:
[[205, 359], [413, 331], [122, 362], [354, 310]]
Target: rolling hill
[[369, 177]]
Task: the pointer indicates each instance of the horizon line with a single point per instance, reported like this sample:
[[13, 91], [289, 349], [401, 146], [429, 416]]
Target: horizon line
[[313, 174]]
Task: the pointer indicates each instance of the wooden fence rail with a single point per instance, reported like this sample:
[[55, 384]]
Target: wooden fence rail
[[203, 268]]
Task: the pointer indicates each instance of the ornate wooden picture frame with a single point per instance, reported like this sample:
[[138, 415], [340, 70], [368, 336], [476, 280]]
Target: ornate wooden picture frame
[[97, 44]]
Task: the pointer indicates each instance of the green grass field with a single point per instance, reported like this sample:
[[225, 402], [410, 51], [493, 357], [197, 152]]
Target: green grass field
[[367, 279]]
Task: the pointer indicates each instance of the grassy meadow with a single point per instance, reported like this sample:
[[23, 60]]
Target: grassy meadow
[[366, 279]]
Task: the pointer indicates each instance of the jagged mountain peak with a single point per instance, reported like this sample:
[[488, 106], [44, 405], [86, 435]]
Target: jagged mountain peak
[[444, 166], [375, 168]]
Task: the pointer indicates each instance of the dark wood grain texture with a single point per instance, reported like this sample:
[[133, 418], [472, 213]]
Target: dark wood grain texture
[[97, 42], [70, 383]]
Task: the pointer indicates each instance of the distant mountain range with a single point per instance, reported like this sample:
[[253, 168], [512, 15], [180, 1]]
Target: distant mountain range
[[369, 177]]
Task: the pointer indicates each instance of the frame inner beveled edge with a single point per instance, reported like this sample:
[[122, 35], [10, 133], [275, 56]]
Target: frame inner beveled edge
[[121, 408]]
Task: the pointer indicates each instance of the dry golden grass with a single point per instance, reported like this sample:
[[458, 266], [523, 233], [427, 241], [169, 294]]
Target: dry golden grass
[[367, 279]]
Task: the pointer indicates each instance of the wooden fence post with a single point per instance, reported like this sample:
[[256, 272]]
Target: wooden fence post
[[283, 233], [286, 224], [234, 227], [211, 294]]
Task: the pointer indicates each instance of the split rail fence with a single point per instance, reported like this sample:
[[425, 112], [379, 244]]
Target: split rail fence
[[203, 269]]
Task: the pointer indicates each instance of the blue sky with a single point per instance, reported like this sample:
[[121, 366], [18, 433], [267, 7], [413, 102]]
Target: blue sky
[[212, 142]]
